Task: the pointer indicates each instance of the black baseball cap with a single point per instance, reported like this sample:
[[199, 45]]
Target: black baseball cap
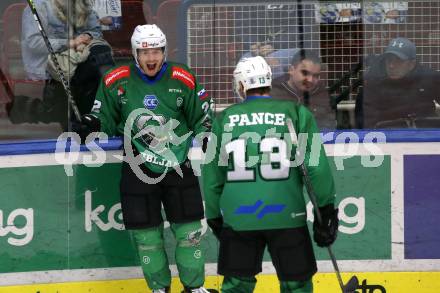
[[402, 48]]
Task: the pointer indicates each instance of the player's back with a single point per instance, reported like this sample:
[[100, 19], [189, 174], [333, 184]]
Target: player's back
[[261, 190]]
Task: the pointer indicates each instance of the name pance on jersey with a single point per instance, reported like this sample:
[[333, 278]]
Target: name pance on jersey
[[257, 118]]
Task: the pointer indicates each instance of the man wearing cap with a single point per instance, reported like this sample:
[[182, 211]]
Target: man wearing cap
[[397, 89]]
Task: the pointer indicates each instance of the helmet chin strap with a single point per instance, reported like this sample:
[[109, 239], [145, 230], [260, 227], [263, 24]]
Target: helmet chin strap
[[241, 93]]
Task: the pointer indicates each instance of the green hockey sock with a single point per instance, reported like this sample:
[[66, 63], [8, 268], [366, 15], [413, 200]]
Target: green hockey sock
[[153, 258], [238, 284], [296, 287], [189, 256]]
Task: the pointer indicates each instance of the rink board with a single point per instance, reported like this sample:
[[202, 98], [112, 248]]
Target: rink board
[[66, 231], [322, 282]]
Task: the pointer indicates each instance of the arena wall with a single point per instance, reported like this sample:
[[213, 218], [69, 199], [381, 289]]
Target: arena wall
[[61, 224]]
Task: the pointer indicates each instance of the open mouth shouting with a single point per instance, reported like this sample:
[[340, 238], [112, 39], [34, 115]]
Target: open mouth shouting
[[151, 69], [151, 60]]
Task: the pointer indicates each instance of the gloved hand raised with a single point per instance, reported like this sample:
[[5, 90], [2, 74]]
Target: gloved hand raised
[[89, 123], [325, 233]]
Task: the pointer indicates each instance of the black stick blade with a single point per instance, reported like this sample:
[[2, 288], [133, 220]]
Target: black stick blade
[[351, 285]]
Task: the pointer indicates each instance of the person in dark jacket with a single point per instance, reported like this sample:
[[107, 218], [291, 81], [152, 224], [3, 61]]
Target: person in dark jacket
[[398, 90], [303, 85]]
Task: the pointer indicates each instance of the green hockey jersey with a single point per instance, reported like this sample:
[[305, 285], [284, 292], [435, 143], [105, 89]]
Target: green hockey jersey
[[254, 181], [160, 116]]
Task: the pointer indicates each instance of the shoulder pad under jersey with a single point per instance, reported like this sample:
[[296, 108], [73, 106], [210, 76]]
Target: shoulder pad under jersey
[[116, 74], [184, 76]]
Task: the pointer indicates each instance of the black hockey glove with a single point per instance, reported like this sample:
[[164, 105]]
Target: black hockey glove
[[326, 233], [89, 123], [216, 226]]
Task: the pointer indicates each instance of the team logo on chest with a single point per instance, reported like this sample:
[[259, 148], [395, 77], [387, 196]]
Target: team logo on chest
[[151, 102], [179, 102]]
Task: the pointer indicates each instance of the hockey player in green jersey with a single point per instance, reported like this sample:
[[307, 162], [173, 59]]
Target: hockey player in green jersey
[[158, 107], [254, 191]]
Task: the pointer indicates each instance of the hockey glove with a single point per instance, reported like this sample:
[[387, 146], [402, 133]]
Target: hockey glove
[[326, 233], [216, 226], [89, 123]]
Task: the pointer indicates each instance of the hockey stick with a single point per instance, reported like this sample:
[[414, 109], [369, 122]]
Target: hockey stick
[[55, 61], [353, 283]]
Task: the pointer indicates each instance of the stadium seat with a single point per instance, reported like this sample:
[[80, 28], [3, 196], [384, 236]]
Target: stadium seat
[[133, 13], [11, 61], [166, 18]]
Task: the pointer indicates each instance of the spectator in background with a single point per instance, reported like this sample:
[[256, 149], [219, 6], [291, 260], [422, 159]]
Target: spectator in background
[[397, 89], [86, 39], [302, 84]]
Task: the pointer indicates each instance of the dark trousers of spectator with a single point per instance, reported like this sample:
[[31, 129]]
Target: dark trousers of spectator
[[54, 106]]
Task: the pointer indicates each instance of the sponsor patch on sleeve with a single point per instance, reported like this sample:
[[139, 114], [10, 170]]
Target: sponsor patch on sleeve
[[203, 94], [184, 76], [118, 73]]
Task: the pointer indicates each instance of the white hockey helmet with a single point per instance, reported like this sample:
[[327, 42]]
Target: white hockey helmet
[[147, 36], [252, 72]]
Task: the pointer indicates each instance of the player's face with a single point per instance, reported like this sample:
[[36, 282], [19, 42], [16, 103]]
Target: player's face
[[397, 68], [305, 75], [150, 60]]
